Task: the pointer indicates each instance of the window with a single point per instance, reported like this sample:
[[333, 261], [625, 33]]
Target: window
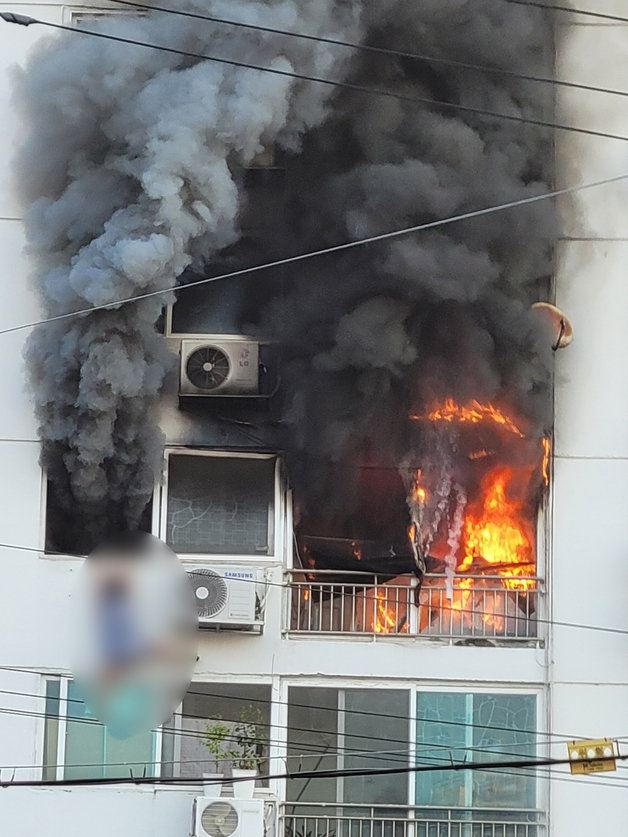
[[66, 532], [482, 727], [335, 728], [184, 752], [220, 504], [77, 746], [331, 729]]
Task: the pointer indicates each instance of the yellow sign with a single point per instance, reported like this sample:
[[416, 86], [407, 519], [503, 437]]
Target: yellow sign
[[593, 756]]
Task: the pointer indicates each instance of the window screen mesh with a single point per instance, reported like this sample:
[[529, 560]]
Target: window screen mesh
[[220, 505]]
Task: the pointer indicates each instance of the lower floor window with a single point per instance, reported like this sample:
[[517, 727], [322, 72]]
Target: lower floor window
[[78, 746], [477, 727], [220, 727]]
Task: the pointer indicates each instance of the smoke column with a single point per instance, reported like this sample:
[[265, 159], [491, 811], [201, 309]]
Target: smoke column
[[128, 175]]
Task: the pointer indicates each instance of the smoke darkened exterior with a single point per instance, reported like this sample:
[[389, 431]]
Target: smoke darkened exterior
[[133, 174]]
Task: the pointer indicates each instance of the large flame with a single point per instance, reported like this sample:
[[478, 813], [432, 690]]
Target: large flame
[[499, 535], [472, 413]]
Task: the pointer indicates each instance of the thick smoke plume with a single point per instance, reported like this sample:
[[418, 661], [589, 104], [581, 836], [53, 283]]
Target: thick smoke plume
[[130, 173], [127, 173]]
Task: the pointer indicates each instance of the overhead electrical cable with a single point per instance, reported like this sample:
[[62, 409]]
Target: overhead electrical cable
[[335, 248], [313, 748], [309, 774], [22, 20], [362, 713], [471, 611], [552, 7], [372, 49]]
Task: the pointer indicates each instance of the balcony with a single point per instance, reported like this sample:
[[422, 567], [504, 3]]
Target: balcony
[[478, 608], [329, 820]]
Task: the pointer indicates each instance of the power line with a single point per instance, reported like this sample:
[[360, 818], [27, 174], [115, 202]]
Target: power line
[[313, 748], [441, 608], [309, 774], [22, 20], [312, 751], [335, 710], [336, 248], [556, 8], [377, 50]]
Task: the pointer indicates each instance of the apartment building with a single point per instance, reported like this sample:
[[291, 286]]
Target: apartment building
[[339, 640]]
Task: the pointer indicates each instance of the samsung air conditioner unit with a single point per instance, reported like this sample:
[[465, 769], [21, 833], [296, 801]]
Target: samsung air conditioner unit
[[228, 817], [225, 597], [219, 366]]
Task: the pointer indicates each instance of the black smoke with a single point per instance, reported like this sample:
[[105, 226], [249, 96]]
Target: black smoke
[[131, 173]]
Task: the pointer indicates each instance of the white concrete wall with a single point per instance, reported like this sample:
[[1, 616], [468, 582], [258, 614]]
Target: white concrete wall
[[589, 671]]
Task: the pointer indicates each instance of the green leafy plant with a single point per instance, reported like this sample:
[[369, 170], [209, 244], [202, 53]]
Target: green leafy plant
[[242, 742]]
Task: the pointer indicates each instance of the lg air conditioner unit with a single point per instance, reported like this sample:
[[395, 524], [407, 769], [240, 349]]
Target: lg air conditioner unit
[[228, 817], [225, 597], [219, 366]]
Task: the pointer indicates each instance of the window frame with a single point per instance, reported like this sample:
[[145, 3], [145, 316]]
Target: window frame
[[62, 725], [275, 539], [414, 687]]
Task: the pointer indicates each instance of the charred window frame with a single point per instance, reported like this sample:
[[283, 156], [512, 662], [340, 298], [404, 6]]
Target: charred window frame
[[60, 529], [221, 505]]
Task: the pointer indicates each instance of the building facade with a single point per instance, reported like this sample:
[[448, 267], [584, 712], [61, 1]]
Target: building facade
[[335, 672]]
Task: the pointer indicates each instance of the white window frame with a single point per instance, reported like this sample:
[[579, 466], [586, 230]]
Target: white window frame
[[275, 516], [73, 14], [542, 783], [64, 682]]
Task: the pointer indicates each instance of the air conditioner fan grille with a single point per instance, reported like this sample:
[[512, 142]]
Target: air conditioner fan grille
[[210, 592], [219, 819], [207, 368]]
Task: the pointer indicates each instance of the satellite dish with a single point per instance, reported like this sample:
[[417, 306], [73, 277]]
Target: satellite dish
[[559, 326]]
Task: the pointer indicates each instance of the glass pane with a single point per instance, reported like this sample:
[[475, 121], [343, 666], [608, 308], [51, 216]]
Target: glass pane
[[51, 729], [130, 757], [312, 742], [441, 734], [504, 730], [491, 727], [84, 740], [220, 505], [241, 709], [91, 752], [376, 734]]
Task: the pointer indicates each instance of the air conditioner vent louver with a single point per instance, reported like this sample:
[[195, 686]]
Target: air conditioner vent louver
[[207, 368], [219, 819], [210, 591]]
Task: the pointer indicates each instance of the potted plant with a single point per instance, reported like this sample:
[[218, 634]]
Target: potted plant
[[241, 743]]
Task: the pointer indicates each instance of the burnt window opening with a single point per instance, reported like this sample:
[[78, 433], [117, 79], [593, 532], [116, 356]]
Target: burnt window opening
[[69, 532], [220, 505], [446, 545]]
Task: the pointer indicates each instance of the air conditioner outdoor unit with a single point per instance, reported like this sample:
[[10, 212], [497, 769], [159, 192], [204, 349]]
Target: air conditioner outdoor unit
[[219, 366], [225, 596], [227, 817]]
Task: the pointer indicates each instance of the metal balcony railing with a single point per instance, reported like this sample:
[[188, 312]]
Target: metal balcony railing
[[366, 821], [494, 607]]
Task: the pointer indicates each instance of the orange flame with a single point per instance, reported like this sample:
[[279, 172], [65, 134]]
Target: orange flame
[[472, 413], [547, 451], [500, 534], [384, 620]]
